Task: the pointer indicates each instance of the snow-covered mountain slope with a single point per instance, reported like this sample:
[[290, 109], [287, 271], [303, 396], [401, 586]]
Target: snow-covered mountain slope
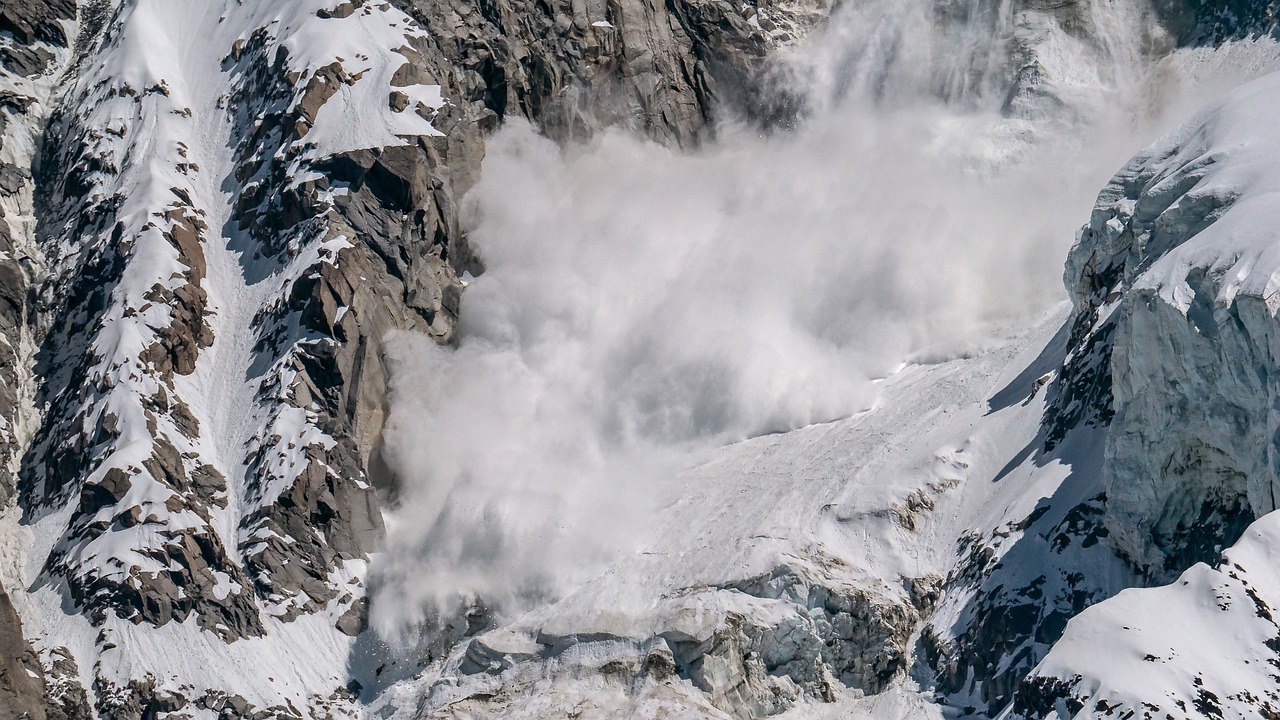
[[234, 204], [219, 215]]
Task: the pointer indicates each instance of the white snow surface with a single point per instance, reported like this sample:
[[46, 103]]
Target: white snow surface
[[1197, 643]]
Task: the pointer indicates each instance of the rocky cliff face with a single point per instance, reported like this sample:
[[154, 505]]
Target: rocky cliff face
[[36, 45], [34, 52], [22, 689]]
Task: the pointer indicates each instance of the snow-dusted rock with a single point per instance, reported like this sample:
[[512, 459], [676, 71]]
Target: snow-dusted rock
[[237, 203], [1210, 651]]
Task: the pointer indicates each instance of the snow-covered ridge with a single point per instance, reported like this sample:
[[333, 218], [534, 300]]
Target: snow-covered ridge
[[173, 427], [236, 203]]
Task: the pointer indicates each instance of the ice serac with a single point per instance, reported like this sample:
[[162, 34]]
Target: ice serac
[[753, 648], [1177, 270]]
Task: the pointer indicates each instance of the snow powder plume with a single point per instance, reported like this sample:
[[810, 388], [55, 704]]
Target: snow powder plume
[[641, 306]]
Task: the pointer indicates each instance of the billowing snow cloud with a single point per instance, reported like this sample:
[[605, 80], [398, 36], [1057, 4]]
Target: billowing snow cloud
[[643, 306]]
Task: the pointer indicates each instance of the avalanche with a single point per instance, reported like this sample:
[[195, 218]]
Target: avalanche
[[763, 398]]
